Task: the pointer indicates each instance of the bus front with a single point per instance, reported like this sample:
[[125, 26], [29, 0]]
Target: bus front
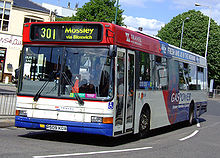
[[66, 78]]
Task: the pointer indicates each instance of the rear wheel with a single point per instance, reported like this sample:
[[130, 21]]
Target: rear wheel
[[144, 124]]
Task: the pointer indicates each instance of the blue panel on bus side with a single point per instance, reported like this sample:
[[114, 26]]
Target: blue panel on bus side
[[164, 49], [77, 127]]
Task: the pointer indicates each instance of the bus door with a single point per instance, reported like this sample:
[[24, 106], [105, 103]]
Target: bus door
[[124, 112]]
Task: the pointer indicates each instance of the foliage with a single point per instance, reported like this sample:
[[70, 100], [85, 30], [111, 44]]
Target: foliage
[[194, 38], [97, 10]]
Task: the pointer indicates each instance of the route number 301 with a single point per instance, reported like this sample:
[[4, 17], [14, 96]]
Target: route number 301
[[48, 33]]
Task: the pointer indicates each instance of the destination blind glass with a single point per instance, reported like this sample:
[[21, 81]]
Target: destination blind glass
[[66, 32]]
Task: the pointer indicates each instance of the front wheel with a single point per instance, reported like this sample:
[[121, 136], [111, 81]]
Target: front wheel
[[144, 124]]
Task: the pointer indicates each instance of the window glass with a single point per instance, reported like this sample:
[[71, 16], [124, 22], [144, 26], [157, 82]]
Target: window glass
[[120, 86], [1, 12], [200, 71], [8, 5], [192, 77], [159, 72], [26, 20], [2, 4], [66, 71], [183, 76], [5, 26], [33, 20], [163, 74], [89, 71], [6, 14], [152, 72], [173, 74], [40, 69], [144, 71]]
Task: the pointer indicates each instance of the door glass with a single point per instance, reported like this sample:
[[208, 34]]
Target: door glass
[[120, 89], [130, 91]]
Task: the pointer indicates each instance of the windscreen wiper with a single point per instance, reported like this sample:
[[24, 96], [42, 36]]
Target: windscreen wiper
[[37, 95], [78, 98]]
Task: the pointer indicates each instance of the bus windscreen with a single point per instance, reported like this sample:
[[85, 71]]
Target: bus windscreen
[[66, 32]]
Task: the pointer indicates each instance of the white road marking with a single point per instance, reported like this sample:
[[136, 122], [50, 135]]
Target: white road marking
[[96, 152], [190, 136]]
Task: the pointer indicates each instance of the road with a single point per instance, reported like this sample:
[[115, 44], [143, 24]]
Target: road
[[201, 140]]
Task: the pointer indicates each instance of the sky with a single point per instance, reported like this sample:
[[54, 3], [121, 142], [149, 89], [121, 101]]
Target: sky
[[151, 15]]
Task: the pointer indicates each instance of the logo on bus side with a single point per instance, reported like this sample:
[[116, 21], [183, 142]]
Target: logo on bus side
[[177, 97], [133, 39], [127, 37]]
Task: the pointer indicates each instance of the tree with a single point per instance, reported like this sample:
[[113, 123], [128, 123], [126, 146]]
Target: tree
[[97, 10], [194, 38]]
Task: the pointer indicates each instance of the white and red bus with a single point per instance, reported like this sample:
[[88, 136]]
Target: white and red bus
[[100, 78]]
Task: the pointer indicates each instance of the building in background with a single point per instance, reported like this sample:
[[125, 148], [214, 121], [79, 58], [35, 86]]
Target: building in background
[[61, 11], [13, 15]]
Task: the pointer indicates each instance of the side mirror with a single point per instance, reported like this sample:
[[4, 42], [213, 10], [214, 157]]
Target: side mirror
[[112, 50]]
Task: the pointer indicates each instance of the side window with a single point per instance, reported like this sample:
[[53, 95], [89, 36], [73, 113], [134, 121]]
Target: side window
[[160, 76], [183, 76], [144, 71], [200, 72], [192, 77], [153, 74]]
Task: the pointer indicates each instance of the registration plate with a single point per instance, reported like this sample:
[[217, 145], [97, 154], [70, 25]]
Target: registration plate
[[56, 128]]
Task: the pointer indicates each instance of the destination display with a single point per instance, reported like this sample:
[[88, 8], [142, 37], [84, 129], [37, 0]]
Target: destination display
[[66, 32]]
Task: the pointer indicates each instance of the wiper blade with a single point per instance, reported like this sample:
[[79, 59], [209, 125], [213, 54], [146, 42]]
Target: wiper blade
[[78, 98], [37, 95]]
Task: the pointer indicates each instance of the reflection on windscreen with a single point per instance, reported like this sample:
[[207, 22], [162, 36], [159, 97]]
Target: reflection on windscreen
[[86, 71]]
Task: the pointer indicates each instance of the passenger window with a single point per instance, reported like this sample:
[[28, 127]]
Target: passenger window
[[200, 72], [192, 77], [160, 73], [144, 71], [152, 72], [183, 76]]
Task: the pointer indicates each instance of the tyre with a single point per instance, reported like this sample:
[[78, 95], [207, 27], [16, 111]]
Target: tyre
[[144, 124], [191, 115]]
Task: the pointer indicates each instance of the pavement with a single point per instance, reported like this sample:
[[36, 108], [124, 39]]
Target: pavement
[[7, 87], [7, 121]]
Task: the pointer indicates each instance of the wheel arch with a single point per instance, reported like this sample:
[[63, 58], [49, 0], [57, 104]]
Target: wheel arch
[[146, 106]]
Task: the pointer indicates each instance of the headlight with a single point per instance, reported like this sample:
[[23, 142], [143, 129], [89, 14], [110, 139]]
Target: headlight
[[106, 120], [21, 113], [96, 119]]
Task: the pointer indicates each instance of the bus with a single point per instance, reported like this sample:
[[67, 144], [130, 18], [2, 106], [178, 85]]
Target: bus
[[104, 79]]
